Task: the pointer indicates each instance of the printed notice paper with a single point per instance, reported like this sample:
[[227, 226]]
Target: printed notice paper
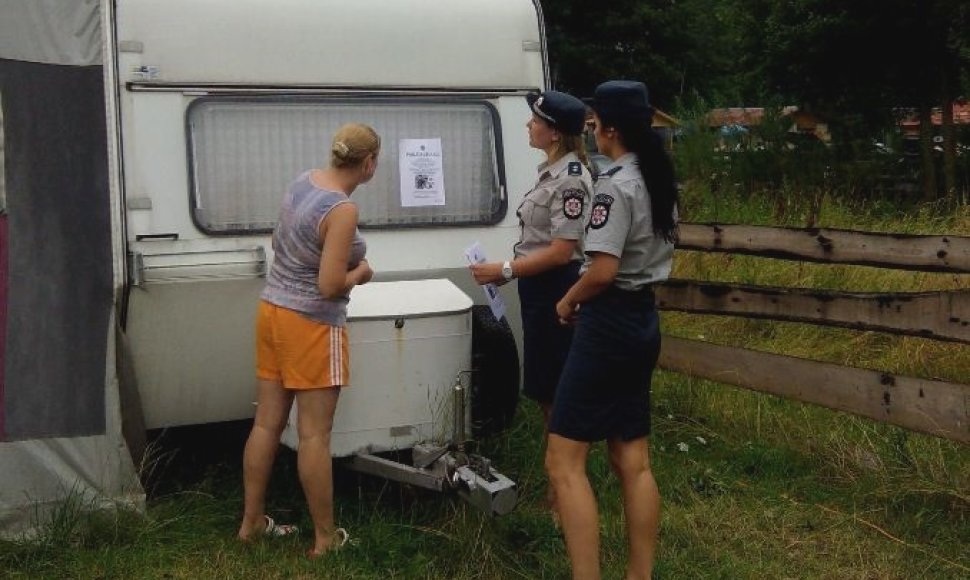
[[475, 255], [422, 176]]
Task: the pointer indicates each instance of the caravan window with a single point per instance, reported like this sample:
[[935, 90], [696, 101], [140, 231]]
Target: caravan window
[[244, 152]]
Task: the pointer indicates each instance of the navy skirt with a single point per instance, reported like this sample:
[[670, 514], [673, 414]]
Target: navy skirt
[[604, 391], [545, 342]]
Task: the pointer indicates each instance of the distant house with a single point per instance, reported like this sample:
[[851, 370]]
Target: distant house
[[738, 121], [666, 126], [961, 116]]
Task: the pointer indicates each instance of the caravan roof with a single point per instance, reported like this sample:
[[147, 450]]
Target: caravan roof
[[430, 43]]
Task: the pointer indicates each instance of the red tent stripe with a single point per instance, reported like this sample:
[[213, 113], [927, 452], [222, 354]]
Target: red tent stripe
[[3, 313]]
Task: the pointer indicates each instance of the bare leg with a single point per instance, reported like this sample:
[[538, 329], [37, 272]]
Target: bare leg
[[641, 503], [566, 464], [272, 409], [550, 491], [315, 409]]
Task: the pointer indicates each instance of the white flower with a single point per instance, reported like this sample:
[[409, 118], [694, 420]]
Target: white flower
[[701, 440], [683, 447]]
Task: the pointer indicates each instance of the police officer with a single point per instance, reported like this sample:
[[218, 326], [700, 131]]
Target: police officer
[[604, 391], [548, 255]]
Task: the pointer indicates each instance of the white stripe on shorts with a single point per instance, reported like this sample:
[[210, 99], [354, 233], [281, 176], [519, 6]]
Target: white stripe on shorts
[[334, 356]]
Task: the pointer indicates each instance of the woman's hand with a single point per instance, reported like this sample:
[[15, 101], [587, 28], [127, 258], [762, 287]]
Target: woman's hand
[[363, 272], [566, 311], [489, 273]]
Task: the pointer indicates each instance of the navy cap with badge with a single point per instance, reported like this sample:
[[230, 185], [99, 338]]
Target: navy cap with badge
[[564, 112], [622, 100]]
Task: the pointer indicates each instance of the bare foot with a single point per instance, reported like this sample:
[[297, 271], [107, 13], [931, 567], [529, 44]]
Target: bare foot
[[250, 529]]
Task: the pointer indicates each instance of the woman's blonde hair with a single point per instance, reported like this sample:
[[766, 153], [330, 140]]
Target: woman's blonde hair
[[352, 143], [570, 144]]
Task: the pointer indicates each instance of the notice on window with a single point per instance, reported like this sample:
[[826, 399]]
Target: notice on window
[[422, 176], [474, 254]]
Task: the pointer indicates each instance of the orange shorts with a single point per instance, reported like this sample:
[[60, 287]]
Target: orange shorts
[[298, 352]]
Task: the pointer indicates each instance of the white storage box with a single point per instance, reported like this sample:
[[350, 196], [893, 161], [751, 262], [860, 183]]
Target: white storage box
[[408, 342]]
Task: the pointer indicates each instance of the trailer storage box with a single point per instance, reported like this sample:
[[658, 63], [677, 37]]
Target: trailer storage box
[[408, 343]]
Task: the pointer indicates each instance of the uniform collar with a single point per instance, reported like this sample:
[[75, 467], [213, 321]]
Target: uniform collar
[[628, 159], [558, 167]]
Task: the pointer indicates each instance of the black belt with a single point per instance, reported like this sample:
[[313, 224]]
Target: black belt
[[642, 294]]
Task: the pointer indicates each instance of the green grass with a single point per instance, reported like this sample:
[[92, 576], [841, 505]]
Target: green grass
[[774, 490], [753, 486]]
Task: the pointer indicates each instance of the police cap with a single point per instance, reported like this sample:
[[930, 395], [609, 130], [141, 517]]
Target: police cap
[[564, 112], [615, 100]]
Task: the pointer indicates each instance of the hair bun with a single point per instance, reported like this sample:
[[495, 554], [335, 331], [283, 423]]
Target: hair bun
[[341, 149]]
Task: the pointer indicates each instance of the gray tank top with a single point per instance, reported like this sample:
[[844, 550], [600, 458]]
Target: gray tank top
[[292, 279]]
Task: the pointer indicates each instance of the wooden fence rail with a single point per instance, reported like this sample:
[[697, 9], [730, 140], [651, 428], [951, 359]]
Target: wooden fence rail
[[935, 407], [939, 315], [898, 251]]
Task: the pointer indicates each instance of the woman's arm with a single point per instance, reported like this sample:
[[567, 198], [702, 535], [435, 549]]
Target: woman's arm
[[337, 231], [555, 254], [598, 277]]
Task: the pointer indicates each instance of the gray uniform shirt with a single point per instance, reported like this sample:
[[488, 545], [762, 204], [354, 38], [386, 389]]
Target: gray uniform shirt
[[620, 224], [556, 207]]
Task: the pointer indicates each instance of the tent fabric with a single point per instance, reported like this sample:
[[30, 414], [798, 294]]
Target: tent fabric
[[3, 295], [62, 420], [66, 32], [59, 296]]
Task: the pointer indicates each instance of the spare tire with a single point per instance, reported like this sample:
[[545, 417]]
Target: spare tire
[[495, 373]]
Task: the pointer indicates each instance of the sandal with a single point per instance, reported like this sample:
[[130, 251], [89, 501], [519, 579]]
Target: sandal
[[275, 530], [340, 538]]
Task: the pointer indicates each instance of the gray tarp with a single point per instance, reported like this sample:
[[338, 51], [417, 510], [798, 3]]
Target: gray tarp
[[61, 420], [51, 31]]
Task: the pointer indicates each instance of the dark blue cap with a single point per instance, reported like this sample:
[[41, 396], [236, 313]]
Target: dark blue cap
[[564, 112], [622, 100]]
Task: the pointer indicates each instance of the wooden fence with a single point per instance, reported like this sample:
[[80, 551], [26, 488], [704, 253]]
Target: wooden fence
[[937, 407]]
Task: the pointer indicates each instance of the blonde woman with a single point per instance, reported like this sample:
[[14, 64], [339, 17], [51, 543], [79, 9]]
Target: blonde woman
[[549, 251], [301, 337]]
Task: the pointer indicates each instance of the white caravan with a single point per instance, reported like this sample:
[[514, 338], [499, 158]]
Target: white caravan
[[211, 107]]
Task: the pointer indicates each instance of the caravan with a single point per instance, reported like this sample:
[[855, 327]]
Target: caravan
[[147, 144]]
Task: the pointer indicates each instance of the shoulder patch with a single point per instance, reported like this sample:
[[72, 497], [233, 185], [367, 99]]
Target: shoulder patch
[[573, 201], [600, 213], [610, 172], [575, 168]]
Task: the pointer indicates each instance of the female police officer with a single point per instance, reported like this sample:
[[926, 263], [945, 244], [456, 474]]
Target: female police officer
[[604, 391], [548, 254]]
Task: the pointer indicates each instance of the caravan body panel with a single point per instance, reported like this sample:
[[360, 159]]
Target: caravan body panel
[[216, 98]]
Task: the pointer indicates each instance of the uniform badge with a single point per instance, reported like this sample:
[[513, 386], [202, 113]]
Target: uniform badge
[[575, 168], [572, 203], [600, 213]]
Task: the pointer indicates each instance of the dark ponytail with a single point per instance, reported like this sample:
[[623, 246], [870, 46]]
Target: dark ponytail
[[657, 169]]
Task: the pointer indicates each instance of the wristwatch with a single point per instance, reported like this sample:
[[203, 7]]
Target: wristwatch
[[507, 270]]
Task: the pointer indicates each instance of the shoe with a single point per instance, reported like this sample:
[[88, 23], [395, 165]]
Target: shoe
[[340, 539], [275, 530]]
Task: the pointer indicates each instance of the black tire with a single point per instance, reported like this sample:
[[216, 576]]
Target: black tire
[[495, 376]]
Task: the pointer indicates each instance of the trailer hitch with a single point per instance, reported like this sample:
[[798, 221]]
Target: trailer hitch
[[449, 467]]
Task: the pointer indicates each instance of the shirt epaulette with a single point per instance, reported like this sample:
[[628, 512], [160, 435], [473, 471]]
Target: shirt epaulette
[[609, 172]]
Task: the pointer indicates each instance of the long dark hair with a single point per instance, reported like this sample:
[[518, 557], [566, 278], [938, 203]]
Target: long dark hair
[[657, 169]]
